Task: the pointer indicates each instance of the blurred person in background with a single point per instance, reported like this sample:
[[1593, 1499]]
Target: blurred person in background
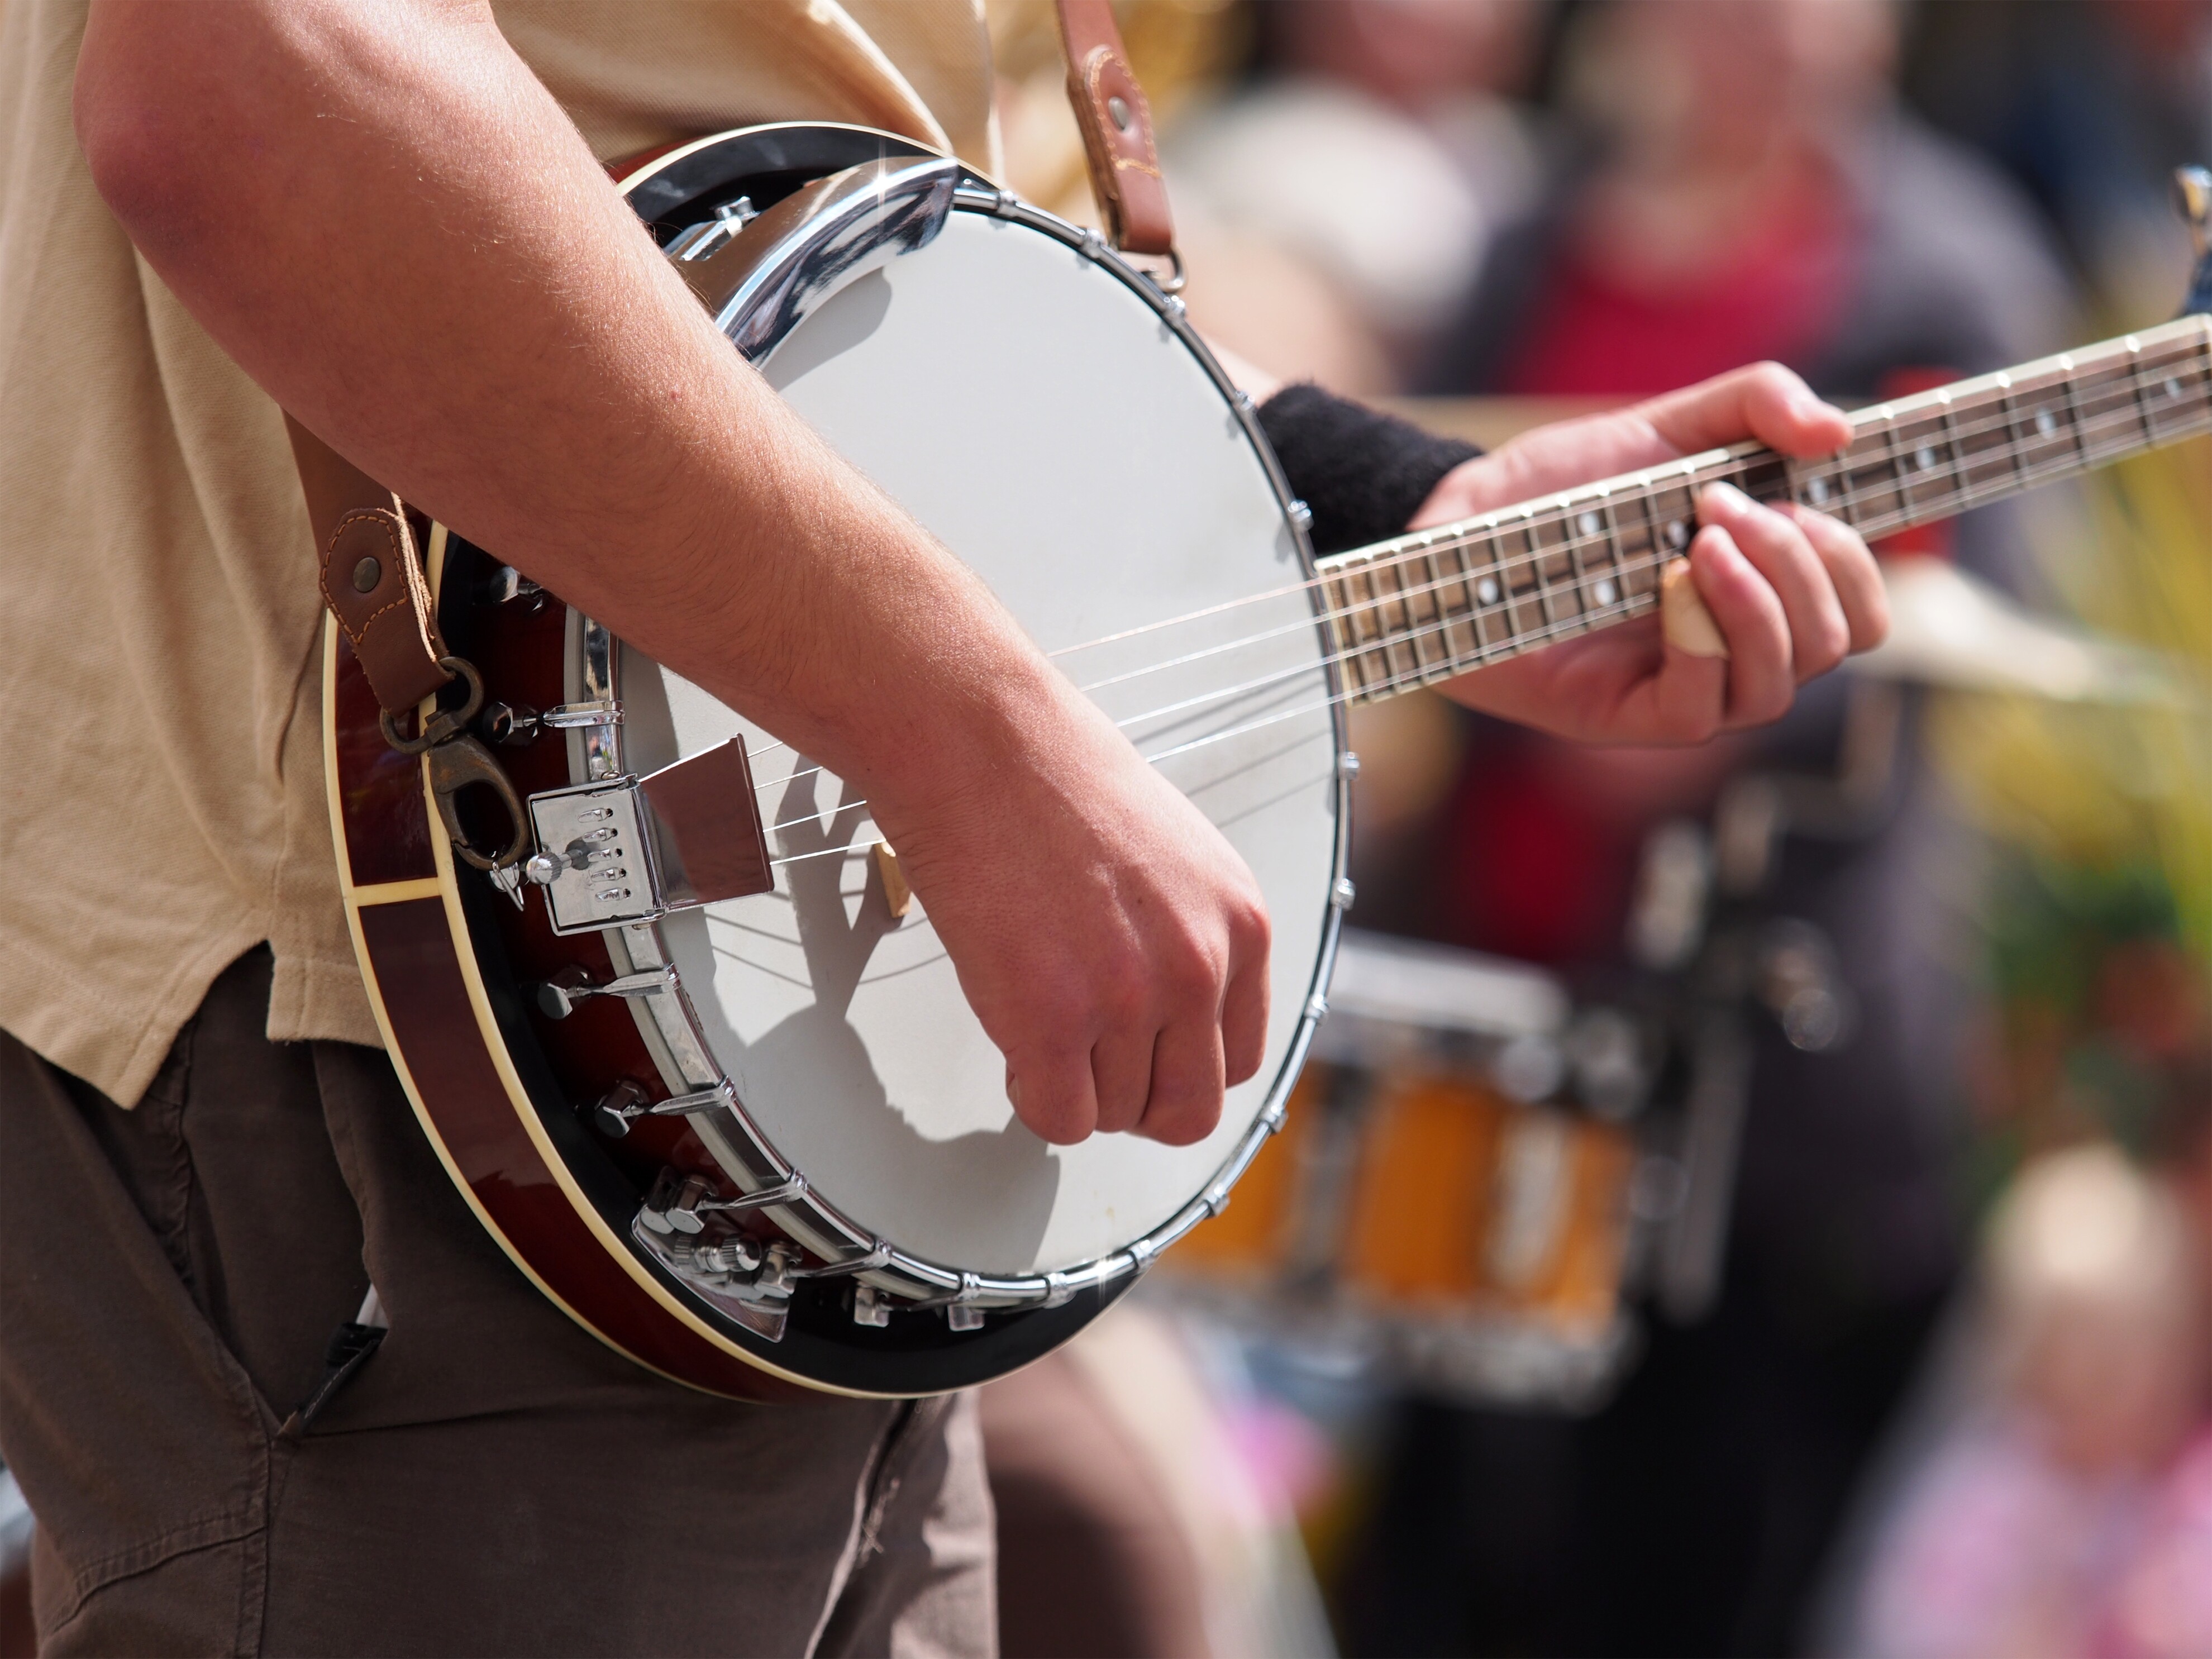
[[2090, 104], [2064, 1503], [1737, 182], [1338, 198]]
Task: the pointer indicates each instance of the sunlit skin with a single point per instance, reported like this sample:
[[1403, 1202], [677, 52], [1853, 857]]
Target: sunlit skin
[[379, 211]]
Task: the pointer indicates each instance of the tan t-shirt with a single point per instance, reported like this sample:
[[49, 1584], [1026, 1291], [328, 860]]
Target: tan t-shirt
[[163, 809]]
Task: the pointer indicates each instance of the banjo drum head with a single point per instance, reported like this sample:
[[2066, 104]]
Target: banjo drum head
[[1037, 412]]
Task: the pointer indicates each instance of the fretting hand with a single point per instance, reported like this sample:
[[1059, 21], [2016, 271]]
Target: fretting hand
[[1792, 590]]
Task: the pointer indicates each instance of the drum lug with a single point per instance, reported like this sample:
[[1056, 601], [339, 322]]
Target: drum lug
[[1301, 515], [1343, 893], [1347, 764]]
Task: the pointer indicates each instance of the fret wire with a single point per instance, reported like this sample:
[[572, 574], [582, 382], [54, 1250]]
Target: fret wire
[[1435, 604], [1462, 551], [1613, 550], [2014, 447], [1956, 464], [2142, 408], [1389, 633], [2070, 389], [1899, 481], [1577, 570]]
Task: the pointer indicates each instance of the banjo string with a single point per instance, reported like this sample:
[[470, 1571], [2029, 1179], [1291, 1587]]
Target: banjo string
[[2094, 426], [1620, 609]]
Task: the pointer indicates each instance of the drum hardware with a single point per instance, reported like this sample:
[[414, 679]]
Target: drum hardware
[[1673, 897], [1796, 977], [1695, 1239]]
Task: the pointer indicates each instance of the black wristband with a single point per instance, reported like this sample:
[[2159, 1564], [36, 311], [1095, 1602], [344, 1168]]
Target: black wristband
[[1363, 473]]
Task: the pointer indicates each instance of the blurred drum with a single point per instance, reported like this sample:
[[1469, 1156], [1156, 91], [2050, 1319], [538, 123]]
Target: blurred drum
[[1451, 1196]]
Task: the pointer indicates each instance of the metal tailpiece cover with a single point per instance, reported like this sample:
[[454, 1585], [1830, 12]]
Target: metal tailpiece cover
[[1117, 131], [708, 842]]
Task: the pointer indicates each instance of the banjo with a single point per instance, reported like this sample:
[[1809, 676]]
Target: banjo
[[655, 986]]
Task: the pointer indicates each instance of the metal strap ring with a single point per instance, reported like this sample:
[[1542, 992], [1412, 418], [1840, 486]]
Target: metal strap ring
[[446, 723]]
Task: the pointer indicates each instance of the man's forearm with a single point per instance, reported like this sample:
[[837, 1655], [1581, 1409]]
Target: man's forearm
[[382, 216]]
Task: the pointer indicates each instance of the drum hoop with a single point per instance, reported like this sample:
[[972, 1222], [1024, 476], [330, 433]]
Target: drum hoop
[[666, 1019]]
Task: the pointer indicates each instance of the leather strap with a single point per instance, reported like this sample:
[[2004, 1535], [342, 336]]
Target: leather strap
[[1117, 131], [371, 574]]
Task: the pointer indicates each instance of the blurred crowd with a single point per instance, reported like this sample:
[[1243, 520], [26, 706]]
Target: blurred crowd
[[1944, 1389]]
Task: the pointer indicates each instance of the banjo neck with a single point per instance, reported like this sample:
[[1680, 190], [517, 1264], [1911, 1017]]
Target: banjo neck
[[1425, 606]]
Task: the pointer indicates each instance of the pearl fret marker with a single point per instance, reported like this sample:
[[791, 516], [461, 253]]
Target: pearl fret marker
[[1587, 523], [2043, 423], [1817, 491], [1605, 592], [1677, 535], [1486, 590], [1924, 457]]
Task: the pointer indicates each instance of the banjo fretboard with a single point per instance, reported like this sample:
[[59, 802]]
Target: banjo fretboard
[[1425, 606]]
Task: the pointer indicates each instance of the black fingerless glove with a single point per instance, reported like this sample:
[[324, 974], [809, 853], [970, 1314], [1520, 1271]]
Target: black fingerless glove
[[1363, 473]]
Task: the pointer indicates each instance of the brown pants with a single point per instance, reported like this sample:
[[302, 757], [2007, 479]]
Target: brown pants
[[493, 1480]]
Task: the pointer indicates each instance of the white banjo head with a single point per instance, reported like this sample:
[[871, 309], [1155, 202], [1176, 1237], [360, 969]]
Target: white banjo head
[[987, 381]]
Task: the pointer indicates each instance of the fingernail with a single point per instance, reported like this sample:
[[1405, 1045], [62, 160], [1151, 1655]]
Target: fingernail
[[1727, 498]]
